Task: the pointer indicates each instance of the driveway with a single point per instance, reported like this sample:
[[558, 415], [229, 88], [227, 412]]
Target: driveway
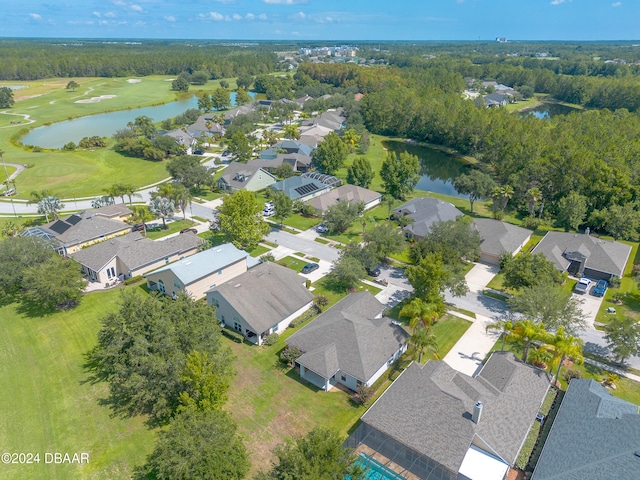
[[467, 354], [300, 244]]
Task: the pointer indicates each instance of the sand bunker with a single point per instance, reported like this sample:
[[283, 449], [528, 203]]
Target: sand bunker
[[134, 80], [96, 99]]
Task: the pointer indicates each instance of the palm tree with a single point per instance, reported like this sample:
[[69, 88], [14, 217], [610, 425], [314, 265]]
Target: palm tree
[[505, 327], [525, 332], [292, 132], [365, 220], [506, 193], [162, 207], [182, 198], [50, 205], [496, 195], [350, 138], [421, 313], [565, 346], [130, 191], [141, 215], [533, 196], [422, 339]]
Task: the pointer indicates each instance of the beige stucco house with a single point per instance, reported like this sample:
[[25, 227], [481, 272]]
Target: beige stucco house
[[201, 272]]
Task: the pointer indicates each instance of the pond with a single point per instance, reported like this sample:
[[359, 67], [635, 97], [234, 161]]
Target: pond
[[437, 169], [105, 124], [549, 110]]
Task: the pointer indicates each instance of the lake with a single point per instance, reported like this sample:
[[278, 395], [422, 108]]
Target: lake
[[437, 169], [549, 110], [105, 124]]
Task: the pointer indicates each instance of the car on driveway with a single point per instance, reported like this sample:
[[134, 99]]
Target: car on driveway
[[373, 272], [186, 230], [601, 288], [310, 267], [198, 152], [322, 228], [583, 285]]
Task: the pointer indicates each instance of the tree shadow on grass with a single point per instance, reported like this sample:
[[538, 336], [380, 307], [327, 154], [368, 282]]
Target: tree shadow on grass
[[34, 310]]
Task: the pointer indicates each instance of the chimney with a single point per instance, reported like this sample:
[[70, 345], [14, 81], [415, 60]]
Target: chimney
[[477, 412]]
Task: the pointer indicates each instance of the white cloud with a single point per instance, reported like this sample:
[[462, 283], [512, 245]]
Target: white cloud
[[225, 2], [110, 15], [250, 16], [35, 16], [216, 16], [616, 4], [235, 16], [285, 2], [559, 2], [298, 16], [97, 14], [120, 3], [170, 18], [136, 8], [262, 16]]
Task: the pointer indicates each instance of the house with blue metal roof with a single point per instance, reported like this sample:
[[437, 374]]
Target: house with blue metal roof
[[201, 272]]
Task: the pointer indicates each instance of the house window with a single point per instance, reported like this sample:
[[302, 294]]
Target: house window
[[220, 272], [111, 272], [343, 377], [176, 284], [237, 327], [166, 259], [161, 286]]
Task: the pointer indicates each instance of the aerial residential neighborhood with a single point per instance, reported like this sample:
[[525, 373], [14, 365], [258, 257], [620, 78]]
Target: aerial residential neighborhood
[[410, 258]]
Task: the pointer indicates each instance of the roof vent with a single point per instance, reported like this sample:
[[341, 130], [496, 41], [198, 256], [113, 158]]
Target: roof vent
[[237, 285], [477, 412], [637, 453]]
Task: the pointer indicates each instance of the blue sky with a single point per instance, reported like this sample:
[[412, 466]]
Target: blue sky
[[324, 19]]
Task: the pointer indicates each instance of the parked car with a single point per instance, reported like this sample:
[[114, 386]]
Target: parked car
[[138, 227], [268, 213], [198, 152], [192, 230], [601, 288], [583, 285], [373, 272], [322, 228], [11, 191], [310, 267]]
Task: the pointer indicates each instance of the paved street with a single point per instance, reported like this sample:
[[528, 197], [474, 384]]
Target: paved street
[[300, 244]]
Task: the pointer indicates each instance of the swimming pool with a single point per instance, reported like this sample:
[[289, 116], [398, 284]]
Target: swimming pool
[[377, 471]]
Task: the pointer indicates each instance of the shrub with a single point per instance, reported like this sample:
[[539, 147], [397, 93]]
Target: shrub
[[131, 280], [307, 283], [614, 282], [364, 394], [290, 354], [320, 301], [233, 335], [571, 374], [267, 257], [531, 223], [271, 339]]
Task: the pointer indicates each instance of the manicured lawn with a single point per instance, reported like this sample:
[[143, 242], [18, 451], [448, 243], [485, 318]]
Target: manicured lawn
[[271, 403], [292, 263], [259, 250], [334, 292], [47, 403], [448, 331], [4, 174], [630, 306], [206, 194], [172, 227], [301, 222]]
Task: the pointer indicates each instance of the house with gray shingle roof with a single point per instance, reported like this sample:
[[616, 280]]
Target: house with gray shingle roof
[[301, 188], [245, 176], [351, 343], [594, 436], [438, 423], [584, 255], [425, 212], [349, 193], [132, 255], [71, 234], [197, 274], [186, 140], [261, 301], [497, 238]]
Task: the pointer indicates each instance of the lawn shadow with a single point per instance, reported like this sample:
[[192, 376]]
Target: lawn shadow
[[33, 309]]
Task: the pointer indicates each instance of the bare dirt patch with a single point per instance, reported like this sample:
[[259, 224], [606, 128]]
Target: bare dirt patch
[[96, 99], [134, 80]]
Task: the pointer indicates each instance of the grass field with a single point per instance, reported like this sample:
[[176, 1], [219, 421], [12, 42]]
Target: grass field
[[172, 227], [46, 403]]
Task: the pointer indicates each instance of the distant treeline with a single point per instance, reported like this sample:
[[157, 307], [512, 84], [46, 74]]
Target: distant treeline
[[32, 60]]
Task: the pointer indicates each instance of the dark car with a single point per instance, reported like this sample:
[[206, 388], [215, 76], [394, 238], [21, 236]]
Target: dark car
[[198, 152], [138, 227], [601, 288], [373, 272], [192, 230], [310, 267]]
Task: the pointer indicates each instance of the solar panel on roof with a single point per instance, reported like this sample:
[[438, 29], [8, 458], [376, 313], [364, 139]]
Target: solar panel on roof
[[60, 227], [73, 219]]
